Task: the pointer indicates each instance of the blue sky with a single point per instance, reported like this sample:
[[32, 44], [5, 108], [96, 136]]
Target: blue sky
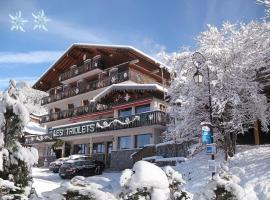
[[149, 25]]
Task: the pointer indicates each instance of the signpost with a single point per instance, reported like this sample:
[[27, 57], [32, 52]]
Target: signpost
[[212, 166], [211, 149]]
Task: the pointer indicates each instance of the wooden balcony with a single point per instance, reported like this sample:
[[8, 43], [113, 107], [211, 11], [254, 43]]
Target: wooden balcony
[[86, 87], [87, 66], [89, 109], [111, 124], [82, 110]]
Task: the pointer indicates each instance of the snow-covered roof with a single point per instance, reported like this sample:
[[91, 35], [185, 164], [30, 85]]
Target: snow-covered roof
[[34, 129], [127, 47], [128, 86]]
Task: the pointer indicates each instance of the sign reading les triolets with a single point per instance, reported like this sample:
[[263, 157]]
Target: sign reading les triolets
[[73, 130]]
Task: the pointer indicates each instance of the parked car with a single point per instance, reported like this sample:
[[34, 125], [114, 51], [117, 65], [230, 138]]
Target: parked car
[[79, 157], [72, 168], [54, 166]]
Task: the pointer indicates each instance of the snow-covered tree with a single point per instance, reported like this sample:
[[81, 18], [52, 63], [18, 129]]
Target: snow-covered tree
[[266, 4], [235, 55], [15, 160]]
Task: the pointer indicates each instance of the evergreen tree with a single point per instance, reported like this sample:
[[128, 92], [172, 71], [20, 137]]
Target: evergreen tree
[[15, 160]]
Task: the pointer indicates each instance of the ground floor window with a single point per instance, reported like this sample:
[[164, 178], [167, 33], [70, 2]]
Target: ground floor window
[[98, 147], [124, 142], [142, 140], [79, 149]]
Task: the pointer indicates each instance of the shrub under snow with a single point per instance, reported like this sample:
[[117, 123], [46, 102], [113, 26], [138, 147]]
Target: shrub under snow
[[224, 186], [148, 181]]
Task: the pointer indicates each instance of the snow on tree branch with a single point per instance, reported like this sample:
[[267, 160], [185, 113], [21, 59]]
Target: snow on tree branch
[[235, 54]]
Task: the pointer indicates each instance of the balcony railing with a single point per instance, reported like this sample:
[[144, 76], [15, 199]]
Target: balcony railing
[[89, 109], [138, 120], [38, 139], [86, 87], [82, 110], [75, 71]]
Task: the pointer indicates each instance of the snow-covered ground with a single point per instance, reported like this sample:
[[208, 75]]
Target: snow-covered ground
[[251, 164], [254, 162], [45, 181]]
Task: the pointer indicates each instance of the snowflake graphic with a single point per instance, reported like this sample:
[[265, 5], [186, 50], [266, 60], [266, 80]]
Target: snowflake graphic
[[40, 20], [17, 22]]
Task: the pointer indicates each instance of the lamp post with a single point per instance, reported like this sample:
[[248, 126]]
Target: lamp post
[[199, 60]]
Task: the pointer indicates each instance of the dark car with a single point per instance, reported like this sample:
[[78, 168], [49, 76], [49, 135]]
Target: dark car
[[72, 168], [54, 166]]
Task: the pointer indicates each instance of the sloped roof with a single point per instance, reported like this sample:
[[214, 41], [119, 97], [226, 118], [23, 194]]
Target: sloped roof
[[76, 51]]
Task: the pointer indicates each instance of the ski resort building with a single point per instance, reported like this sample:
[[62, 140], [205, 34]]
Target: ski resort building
[[103, 101]]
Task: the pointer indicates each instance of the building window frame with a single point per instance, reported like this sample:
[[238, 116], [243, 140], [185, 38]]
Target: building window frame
[[137, 145], [124, 142], [82, 148], [142, 108], [98, 147], [126, 112]]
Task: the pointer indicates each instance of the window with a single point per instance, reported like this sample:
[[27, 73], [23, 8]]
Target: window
[[57, 109], [70, 106], [124, 142], [125, 112], [79, 149], [142, 109], [142, 140], [98, 147], [85, 102], [162, 107]]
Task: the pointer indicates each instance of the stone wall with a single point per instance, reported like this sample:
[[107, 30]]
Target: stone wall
[[121, 159], [173, 149]]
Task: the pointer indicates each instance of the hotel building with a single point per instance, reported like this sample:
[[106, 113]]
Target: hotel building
[[103, 101]]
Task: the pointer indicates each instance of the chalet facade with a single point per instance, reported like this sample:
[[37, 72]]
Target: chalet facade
[[103, 101]]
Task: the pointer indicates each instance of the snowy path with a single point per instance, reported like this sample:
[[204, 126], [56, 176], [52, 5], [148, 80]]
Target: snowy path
[[45, 181], [195, 170]]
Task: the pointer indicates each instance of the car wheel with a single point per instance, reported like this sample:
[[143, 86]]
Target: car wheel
[[98, 170]]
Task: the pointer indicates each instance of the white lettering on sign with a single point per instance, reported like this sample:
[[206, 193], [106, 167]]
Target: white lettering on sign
[[75, 130]]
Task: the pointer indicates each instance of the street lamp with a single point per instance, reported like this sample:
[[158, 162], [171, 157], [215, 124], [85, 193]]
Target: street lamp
[[199, 60], [198, 77]]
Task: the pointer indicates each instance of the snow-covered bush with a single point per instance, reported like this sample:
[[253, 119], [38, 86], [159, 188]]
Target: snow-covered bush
[[147, 181], [224, 186], [15, 159], [176, 182]]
